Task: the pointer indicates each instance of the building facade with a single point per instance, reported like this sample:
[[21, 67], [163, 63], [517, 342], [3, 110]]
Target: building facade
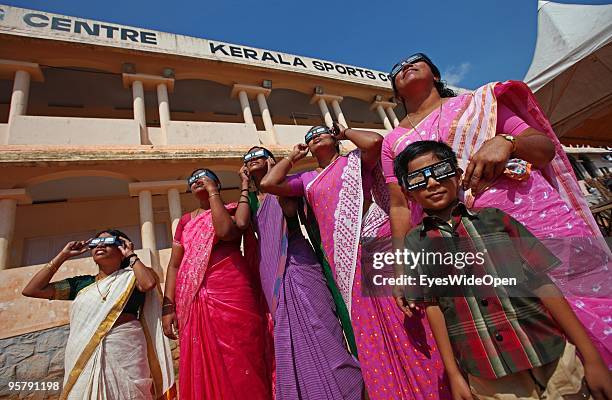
[[101, 124]]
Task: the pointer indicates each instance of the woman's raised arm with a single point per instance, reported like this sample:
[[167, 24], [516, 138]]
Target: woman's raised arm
[[275, 182], [370, 143], [39, 286]]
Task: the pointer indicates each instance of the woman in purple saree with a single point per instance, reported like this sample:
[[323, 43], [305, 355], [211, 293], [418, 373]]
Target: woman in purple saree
[[397, 354], [312, 361]]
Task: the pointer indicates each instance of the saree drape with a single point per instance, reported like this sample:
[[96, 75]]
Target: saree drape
[[312, 361], [222, 324], [129, 361]]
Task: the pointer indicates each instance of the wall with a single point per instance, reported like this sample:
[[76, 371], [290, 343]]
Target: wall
[[190, 133], [73, 131], [3, 133], [33, 357]]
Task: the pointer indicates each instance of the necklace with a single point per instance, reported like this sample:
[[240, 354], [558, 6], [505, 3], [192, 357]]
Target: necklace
[[109, 288], [435, 137]]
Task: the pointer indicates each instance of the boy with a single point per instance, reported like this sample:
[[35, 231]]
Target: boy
[[495, 346]]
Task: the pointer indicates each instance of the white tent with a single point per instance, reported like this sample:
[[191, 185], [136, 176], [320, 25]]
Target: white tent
[[571, 70]]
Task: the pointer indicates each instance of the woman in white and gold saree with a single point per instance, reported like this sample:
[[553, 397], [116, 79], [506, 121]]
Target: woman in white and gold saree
[[116, 348]]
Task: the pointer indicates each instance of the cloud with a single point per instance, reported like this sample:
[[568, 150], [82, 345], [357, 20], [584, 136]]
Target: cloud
[[455, 73]]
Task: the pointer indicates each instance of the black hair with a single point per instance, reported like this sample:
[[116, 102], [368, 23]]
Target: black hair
[[116, 232], [416, 149], [443, 90], [263, 148]]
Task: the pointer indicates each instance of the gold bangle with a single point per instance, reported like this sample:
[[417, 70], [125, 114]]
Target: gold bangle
[[52, 266], [214, 194]]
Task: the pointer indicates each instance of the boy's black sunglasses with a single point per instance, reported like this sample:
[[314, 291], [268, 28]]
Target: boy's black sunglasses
[[253, 155], [439, 171]]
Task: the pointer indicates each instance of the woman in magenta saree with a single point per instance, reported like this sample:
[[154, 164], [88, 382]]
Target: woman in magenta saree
[[312, 360], [219, 312], [496, 122], [397, 354]]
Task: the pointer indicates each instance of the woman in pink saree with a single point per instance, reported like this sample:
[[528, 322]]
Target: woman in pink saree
[[514, 162], [397, 354], [213, 299]]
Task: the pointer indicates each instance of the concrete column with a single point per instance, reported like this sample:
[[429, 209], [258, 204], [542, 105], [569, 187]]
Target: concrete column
[[174, 206], [19, 98], [8, 209], [383, 117], [139, 110], [338, 112], [147, 223], [246, 107], [164, 109], [325, 112], [265, 112], [392, 116]]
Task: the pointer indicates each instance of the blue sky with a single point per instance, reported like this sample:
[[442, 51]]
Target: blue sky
[[472, 41]]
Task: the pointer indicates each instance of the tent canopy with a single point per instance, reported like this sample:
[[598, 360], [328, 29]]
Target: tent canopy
[[571, 71]]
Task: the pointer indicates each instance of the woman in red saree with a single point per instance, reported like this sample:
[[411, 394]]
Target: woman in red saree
[[213, 298]]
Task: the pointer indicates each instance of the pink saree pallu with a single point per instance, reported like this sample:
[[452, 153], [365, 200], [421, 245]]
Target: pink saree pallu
[[398, 355], [222, 328]]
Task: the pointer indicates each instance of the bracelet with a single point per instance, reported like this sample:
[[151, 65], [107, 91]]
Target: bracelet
[[214, 194], [245, 190], [52, 266], [168, 309], [290, 160], [243, 202], [134, 261]]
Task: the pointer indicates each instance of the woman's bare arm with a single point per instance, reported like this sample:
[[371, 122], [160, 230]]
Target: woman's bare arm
[[243, 212], [370, 144], [275, 181], [39, 286], [169, 321]]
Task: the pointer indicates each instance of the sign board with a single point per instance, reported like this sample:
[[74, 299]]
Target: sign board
[[44, 25]]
